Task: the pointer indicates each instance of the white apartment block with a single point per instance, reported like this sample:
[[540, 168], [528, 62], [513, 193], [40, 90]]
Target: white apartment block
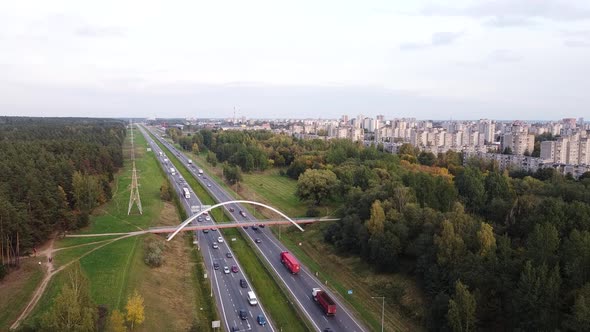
[[519, 142]]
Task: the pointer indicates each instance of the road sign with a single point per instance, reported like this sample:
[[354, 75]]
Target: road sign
[[350, 292], [194, 209], [215, 324]]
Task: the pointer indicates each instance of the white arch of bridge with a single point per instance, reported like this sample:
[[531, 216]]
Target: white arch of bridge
[[186, 222]]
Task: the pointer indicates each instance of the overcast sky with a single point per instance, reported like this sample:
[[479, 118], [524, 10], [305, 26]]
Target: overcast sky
[[509, 59]]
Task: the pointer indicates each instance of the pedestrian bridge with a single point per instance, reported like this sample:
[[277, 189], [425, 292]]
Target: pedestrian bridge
[[195, 216]]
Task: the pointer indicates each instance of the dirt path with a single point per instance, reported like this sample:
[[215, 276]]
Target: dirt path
[[50, 272]]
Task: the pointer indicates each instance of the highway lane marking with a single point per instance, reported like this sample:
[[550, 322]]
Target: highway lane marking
[[219, 293]]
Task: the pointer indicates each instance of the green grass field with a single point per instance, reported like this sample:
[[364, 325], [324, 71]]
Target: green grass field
[[18, 294], [276, 190], [116, 269]]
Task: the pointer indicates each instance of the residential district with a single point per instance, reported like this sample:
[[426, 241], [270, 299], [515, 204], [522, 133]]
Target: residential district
[[564, 147]]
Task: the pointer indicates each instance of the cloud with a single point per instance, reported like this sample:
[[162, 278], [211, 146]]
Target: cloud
[[516, 12], [577, 43], [504, 56], [436, 40], [577, 38], [508, 21], [97, 31]]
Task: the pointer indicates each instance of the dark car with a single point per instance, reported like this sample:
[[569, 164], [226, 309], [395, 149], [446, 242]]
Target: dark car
[[229, 255], [231, 209], [235, 329], [254, 227], [243, 314], [234, 269], [261, 320], [257, 240], [261, 225], [242, 213], [243, 283], [216, 266]]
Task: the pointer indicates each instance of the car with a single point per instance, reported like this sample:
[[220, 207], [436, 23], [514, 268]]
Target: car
[[261, 225], [235, 329], [243, 314], [261, 320], [231, 209], [254, 227], [229, 255], [220, 239], [216, 266], [207, 218], [245, 227], [226, 270], [257, 240], [208, 184], [243, 283], [214, 229], [215, 246], [205, 231], [234, 268], [199, 218], [327, 329], [242, 213]]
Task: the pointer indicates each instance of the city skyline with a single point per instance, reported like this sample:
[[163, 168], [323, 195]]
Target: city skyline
[[429, 60]]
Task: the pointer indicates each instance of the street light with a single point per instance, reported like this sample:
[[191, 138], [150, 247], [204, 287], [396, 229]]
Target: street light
[[382, 308]]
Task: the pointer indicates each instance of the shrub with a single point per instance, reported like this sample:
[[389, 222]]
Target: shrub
[[153, 253]]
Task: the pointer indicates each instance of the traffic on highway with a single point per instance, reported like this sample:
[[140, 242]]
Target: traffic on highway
[[229, 283], [303, 286]]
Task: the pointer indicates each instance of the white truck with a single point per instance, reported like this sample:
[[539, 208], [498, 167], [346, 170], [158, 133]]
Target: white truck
[[200, 171], [190, 161], [172, 171]]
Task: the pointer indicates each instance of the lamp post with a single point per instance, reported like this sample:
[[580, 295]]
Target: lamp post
[[382, 308]]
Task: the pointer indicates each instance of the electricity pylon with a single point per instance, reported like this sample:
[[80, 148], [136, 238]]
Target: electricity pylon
[[134, 195]]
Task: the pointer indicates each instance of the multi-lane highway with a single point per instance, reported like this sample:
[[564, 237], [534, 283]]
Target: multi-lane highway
[[299, 285], [230, 293]]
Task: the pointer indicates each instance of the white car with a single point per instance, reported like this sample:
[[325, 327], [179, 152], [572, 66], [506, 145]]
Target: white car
[[220, 239], [208, 218], [226, 270], [215, 246]]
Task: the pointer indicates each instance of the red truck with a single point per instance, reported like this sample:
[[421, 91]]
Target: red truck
[[324, 300], [290, 262]]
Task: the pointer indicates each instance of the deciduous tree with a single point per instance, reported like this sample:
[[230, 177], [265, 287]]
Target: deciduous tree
[[135, 309]]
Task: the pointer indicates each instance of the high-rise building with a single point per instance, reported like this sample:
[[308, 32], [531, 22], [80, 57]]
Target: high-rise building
[[519, 142]]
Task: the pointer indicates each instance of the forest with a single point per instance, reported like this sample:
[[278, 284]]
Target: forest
[[54, 171], [493, 250]]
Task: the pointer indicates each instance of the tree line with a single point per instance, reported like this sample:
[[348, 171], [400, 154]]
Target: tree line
[[54, 172]]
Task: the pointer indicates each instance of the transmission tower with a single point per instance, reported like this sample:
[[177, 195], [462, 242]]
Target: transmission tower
[[134, 195]]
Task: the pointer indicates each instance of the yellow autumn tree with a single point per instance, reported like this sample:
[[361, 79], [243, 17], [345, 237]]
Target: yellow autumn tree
[[134, 307], [116, 322], [375, 225]]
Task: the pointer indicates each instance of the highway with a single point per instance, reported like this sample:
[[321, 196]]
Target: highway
[[299, 285], [230, 295]]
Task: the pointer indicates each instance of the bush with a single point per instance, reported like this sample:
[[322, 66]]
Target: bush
[[153, 253], [3, 271], [312, 212]]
